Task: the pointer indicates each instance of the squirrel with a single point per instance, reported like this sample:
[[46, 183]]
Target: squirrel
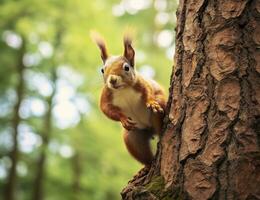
[[128, 97]]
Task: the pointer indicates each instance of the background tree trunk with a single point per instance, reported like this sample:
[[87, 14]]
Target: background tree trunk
[[210, 146], [14, 153], [77, 173], [38, 192]]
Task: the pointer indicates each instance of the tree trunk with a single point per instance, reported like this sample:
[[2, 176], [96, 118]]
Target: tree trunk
[[77, 164], [47, 128], [210, 146], [14, 154], [38, 191], [77, 173]]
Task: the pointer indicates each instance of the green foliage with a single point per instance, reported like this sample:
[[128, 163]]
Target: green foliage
[[85, 154]]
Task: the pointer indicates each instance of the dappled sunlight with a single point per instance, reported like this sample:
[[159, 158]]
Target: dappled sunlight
[[39, 83], [12, 39], [147, 71], [28, 140], [6, 141], [50, 85], [22, 169], [130, 6], [5, 164], [3, 171], [32, 107], [6, 102], [45, 49], [170, 52], [65, 114], [164, 38], [73, 77], [162, 18], [68, 104], [66, 151], [160, 5], [32, 59]]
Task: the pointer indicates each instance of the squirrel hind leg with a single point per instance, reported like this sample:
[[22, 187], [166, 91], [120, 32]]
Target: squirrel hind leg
[[138, 145]]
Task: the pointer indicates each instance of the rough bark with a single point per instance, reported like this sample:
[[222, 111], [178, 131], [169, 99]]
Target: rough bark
[[210, 146], [14, 154]]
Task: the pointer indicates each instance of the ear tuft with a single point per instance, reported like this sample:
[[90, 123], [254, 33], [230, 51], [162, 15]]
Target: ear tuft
[[98, 39], [129, 52]]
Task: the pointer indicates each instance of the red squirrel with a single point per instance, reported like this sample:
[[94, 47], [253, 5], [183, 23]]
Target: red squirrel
[[138, 103]]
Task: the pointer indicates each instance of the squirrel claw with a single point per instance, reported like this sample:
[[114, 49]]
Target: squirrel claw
[[128, 124], [155, 106]]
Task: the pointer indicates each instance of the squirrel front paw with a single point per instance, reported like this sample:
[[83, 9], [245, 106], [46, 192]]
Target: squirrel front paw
[[127, 123], [155, 106]]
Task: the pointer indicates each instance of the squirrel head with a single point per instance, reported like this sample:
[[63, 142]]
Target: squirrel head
[[118, 71]]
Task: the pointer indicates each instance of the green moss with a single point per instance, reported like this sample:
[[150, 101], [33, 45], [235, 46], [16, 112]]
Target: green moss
[[156, 185]]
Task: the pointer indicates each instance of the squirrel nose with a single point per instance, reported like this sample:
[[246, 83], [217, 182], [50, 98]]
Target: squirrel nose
[[113, 81]]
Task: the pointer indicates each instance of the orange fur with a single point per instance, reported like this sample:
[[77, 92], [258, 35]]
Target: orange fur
[[115, 67], [138, 145], [108, 108], [101, 44], [147, 103]]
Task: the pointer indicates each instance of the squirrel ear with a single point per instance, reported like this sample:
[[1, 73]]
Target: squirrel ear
[[101, 44], [129, 52], [103, 50]]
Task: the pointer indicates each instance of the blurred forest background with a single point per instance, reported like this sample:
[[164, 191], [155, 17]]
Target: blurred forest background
[[54, 141]]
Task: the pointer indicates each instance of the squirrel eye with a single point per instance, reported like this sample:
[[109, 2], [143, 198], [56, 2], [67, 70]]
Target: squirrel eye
[[102, 70], [126, 67]]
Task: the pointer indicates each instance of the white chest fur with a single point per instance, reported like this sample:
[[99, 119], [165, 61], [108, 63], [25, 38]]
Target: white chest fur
[[133, 106]]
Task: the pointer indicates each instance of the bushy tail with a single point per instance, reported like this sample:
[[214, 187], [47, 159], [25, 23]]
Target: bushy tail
[[138, 144]]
